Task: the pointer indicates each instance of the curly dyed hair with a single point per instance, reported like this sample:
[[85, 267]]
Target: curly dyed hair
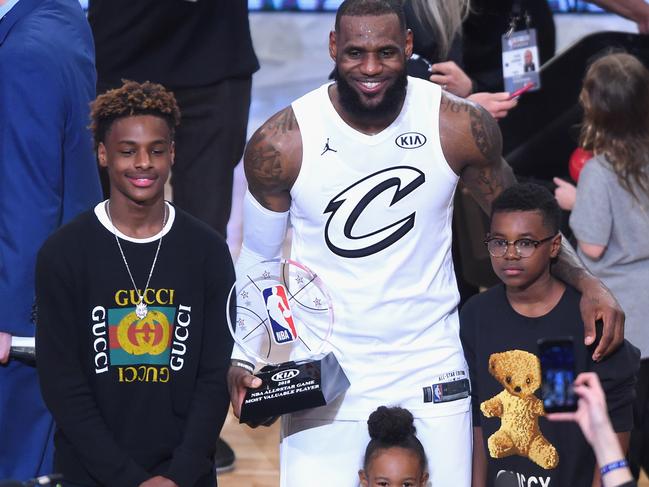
[[129, 100]]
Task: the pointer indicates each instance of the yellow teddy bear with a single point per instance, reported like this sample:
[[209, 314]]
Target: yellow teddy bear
[[519, 409]]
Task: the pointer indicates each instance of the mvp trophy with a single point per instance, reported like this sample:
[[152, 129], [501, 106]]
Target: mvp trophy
[[283, 318]]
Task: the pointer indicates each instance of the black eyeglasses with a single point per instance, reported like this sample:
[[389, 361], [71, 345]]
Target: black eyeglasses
[[525, 247]]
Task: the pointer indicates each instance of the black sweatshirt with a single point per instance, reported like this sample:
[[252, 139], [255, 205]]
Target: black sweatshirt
[[134, 398]]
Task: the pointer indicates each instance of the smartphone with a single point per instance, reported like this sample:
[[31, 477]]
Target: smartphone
[[557, 356], [522, 90]]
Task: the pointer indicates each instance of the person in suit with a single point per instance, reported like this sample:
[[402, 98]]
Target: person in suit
[[47, 176]]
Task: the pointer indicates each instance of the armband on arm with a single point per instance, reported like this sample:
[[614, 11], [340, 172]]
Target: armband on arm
[[264, 232]]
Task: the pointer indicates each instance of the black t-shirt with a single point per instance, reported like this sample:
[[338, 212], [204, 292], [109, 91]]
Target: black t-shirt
[[179, 43], [489, 325]]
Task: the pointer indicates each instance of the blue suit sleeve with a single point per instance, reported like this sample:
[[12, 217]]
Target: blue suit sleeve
[[32, 119]]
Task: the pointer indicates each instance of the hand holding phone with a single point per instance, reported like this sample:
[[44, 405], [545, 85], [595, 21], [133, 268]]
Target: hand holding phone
[[522, 90], [557, 356]]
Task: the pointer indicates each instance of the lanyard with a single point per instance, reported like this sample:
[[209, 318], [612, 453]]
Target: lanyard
[[519, 14]]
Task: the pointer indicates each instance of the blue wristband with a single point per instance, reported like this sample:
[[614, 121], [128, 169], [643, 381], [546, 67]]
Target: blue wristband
[[613, 466]]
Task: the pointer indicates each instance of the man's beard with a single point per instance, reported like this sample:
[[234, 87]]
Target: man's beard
[[351, 102]]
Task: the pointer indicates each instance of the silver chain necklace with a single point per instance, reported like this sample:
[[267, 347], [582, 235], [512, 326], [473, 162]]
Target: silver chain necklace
[[141, 309]]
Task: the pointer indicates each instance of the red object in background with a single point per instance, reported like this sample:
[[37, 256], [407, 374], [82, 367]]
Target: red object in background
[[578, 158]]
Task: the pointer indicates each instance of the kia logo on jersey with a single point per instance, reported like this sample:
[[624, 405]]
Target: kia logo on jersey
[[410, 140], [348, 207], [279, 314]]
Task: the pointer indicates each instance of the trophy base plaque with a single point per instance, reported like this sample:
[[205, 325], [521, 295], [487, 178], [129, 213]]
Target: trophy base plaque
[[293, 386]]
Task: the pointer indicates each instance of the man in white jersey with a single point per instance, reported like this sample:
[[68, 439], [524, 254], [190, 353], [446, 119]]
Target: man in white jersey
[[366, 167]]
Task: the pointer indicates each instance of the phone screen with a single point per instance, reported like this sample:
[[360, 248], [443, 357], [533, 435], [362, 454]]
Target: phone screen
[[557, 358]]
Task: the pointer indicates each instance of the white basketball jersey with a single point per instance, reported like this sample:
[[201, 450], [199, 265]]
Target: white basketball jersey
[[372, 217]]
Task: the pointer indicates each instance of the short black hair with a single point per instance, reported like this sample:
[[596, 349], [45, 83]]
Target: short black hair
[[359, 8], [529, 197], [130, 100], [390, 427]]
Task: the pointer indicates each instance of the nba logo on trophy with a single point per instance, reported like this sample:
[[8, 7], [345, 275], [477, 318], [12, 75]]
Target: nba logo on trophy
[[279, 314]]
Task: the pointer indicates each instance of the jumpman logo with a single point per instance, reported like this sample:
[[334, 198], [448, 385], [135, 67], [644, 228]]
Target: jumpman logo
[[327, 148]]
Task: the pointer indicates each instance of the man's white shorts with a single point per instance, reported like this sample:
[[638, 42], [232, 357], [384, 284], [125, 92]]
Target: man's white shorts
[[329, 453]]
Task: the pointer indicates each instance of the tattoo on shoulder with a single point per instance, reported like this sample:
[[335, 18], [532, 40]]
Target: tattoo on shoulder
[[485, 133], [453, 105], [282, 122], [263, 159]]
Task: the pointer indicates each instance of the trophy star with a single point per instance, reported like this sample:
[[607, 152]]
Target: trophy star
[[266, 275], [317, 303], [244, 294], [299, 279]]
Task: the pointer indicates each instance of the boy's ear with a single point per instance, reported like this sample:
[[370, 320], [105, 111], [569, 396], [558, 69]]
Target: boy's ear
[[101, 155], [556, 246]]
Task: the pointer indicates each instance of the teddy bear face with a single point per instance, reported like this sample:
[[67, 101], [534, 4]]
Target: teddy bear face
[[518, 371]]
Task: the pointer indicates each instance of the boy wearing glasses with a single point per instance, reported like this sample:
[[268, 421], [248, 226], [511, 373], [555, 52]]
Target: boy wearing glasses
[[513, 443]]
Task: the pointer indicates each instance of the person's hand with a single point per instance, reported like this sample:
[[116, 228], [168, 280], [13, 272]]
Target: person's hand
[[591, 414], [451, 78], [497, 104], [159, 481], [598, 303], [565, 193], [592, 418], [239, 381], [5, 346]]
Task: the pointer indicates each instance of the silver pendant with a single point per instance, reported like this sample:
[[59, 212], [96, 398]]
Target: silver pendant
[[141, 310]]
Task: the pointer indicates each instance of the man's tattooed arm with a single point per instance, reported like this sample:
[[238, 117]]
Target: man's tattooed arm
[[272, 160], [484, 172]]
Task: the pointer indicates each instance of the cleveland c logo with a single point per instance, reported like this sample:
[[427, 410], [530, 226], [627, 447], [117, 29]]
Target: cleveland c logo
[[348, 206]]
